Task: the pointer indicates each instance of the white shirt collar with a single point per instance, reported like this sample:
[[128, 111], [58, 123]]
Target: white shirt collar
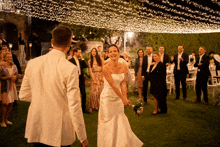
[[202, 55], [55, 51], [180, 53], [151, 55]]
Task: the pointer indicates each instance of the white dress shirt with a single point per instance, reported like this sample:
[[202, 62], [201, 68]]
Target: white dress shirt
[[200, 58], [178, 61], [51, 84], [78, 65], [161, 57], [150, 58]]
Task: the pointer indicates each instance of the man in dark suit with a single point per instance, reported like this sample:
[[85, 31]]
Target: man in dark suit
[[165, 59], [80, 63], [181, 60], [147, 61], [202, 75]]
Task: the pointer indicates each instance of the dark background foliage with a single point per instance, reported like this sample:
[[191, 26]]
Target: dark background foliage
[[191, 42]]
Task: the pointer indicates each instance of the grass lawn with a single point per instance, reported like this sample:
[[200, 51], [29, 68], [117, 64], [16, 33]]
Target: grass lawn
[[186, 124]]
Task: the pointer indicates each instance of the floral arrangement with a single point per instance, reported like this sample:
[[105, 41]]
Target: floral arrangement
[[138, 108]]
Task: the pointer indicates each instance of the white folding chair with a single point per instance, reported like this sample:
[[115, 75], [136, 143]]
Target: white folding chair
[[170, 82], [191, 80]]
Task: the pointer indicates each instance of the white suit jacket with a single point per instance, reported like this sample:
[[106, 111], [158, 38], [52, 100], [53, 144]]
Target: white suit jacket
[[51, 84]]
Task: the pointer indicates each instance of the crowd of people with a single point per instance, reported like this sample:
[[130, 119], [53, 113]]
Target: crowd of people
[[55, 84]]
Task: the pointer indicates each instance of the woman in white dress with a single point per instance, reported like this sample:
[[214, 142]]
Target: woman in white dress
[[113, 126]]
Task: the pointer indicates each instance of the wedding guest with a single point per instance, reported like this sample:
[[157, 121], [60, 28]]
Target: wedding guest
[[192, 57], [14, 57], [95, 68], [99, 50], [164, 58], [21, 48], [5, 49], [113, 126], [202, 75], [55, 113], [9, 74], [2, 40], [138, 70], [147, 60], [158, 88], [213, 60], [78, 60], [127, 58], [180, 71], [105, 55]]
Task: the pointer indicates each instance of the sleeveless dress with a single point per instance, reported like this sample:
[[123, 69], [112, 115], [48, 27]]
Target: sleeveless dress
[[95, 89], [113, 126], [139, 82]]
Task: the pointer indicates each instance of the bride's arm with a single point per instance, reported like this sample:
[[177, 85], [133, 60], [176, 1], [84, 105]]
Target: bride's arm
[[124, 82], [111, 82]]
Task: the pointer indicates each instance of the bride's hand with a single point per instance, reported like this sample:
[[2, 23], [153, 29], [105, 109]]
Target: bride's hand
[[127, 103]]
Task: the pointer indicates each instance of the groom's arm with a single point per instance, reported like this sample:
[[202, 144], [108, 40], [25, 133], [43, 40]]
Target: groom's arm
[[74, 103]]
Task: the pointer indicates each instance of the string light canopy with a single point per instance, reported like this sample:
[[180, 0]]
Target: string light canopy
[[165, 16]]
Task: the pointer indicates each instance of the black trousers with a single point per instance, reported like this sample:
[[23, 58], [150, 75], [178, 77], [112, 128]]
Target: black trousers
[[83, 94], [44, 145], [201, 84], [145, 87], [163, 105], [180, 76]]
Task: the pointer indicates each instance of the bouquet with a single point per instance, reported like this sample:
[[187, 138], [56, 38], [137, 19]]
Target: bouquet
[[138, 108]]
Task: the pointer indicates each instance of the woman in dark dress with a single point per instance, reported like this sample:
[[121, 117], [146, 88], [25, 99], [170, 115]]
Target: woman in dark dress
[[158, 86]]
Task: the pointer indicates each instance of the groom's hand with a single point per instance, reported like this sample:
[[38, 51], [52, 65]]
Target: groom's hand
[[85, 143]]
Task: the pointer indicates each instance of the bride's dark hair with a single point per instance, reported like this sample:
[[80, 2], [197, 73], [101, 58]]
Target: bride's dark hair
[[98, 59], [113, 45]]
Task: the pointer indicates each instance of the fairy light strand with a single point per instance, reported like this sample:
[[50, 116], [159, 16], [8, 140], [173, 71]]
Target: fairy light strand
[[115, 15]]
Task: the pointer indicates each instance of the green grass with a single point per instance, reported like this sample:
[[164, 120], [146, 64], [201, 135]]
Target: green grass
[[186, 124]]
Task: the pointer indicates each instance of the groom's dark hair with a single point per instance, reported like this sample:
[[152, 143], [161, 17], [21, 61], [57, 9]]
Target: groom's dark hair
[[62, 36]]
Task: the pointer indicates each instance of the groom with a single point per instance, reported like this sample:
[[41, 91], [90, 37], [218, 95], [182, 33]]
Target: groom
[[51, 84]]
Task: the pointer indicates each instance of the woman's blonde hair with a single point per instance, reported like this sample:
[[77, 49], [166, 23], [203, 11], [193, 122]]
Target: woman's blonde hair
[[157, 53], [6, 55]]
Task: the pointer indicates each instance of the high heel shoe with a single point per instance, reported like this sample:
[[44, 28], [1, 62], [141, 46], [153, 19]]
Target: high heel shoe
[[3, 125], [9, 123]]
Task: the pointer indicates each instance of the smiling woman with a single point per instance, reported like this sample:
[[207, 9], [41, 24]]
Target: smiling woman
[[111, 119], [9, 74]]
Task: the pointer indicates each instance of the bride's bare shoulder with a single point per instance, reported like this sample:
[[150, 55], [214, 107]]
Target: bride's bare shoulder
[[106, 68], [122, 66]]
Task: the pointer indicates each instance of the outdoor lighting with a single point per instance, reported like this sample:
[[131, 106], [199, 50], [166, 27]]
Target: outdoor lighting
[[30, 45], [130, 34], [10, 46], [126, 16]]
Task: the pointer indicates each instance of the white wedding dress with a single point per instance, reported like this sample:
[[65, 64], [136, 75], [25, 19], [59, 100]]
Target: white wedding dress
[[113, 126]]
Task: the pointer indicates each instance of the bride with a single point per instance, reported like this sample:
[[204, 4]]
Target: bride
[[113, 126]]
